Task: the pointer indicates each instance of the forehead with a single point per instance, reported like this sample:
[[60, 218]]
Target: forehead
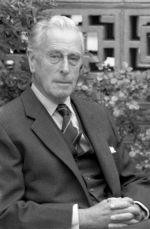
[[63, 40]]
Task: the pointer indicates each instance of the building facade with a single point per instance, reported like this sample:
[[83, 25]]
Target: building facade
[[116, 29]]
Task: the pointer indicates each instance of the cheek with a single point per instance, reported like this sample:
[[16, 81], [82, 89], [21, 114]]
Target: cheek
[[48, 70], [43, 70], [76, 74], [39, 67]]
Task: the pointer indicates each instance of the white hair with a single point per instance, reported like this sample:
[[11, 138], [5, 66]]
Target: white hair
[[40, 29]]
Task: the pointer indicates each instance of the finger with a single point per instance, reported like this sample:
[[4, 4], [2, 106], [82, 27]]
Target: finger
[[127, 223], [113, 198], [120, 198], [135, 210], [132, 209], [122, 217], [132, 221], [128, 199], [132, 212], [111, 225], [119, 205]]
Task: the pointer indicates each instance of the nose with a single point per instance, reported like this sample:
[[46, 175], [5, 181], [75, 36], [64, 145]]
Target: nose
[[65, 66]]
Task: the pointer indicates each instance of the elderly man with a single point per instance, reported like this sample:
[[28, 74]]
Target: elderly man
[[61, 164]]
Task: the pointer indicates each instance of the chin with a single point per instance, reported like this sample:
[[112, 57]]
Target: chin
[[65, 93], [63, 96]]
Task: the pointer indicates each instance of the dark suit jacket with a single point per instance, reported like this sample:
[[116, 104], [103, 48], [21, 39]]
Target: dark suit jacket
[[39, 178]]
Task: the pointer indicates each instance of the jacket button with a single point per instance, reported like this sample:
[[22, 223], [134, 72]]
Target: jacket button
[[91, 190], [87, 178]]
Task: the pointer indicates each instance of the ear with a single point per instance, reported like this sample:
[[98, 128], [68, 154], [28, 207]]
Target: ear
[[31, 59], [81, 69]]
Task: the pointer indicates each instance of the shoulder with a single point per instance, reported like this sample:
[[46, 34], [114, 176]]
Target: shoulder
[[91, 106], [99, 113], [16, 107], [11, 110]]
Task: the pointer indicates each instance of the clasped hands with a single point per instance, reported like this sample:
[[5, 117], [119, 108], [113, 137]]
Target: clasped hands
[[125, 212], [109, 213]]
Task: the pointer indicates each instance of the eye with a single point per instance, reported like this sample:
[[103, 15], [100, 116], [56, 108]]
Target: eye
[[54, 57], [74, 59]]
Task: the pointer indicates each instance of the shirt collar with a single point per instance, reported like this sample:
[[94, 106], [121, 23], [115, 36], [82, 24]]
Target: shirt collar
[[48, 104]]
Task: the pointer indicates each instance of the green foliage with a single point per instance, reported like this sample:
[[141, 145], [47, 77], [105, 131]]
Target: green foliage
[[16, 19], [12, 83], [126, 93]]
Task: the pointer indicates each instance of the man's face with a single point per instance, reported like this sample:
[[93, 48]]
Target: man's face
[[56, 68]]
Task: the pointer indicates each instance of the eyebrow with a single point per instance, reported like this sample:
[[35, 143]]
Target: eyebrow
[[59, 51]]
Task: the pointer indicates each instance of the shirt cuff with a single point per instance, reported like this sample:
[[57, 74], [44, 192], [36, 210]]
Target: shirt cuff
[[75, 217], [144, 208]]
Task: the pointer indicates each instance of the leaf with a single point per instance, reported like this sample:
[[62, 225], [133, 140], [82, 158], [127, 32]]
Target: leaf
[[114, 98], [124, 65], [5, 46], [79, 84], [2, 55], [18, 24], [100, 76], [34, 12], [1, 65], [113, 81], [84, 87], [129, 69], [12, 1], [122, 71]]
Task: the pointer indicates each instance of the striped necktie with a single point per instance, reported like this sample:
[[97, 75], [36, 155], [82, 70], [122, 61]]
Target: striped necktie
[[71, 133]]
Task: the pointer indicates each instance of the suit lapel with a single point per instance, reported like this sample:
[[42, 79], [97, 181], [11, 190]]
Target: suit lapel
[[100, 146], [47, 131], [44, 127]]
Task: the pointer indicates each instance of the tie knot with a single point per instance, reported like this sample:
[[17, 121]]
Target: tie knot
[[63, 110]]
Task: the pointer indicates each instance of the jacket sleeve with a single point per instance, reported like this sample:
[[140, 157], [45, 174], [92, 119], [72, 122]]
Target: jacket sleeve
[[15, 211]]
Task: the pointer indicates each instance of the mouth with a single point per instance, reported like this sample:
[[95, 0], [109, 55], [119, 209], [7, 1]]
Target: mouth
[[62, 82]]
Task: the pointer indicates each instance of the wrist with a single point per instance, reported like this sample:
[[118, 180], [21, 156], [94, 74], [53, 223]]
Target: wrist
[[84, 219]]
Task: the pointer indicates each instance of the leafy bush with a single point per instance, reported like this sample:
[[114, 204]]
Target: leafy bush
[[126, 93], [16, 19], [12, 83]]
